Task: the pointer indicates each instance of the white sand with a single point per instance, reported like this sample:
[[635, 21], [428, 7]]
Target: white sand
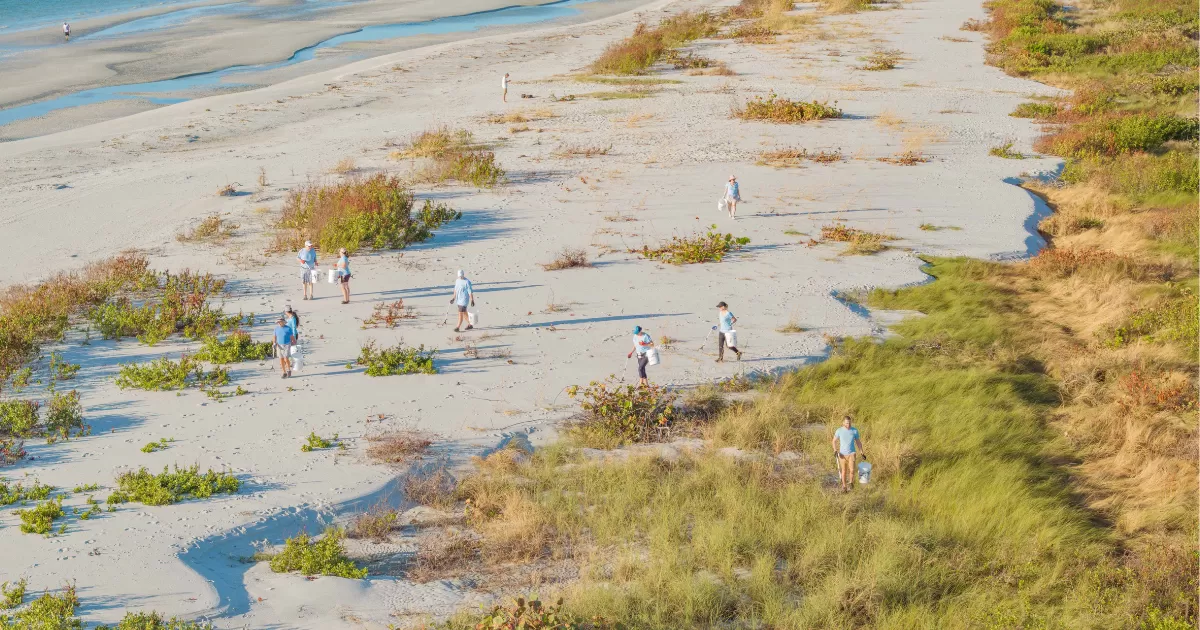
[[137, 181]]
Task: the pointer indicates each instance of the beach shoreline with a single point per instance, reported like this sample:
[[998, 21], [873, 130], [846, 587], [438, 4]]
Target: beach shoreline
[[662, 157]]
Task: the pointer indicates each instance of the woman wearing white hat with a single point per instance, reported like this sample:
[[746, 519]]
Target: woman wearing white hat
[[732, 196]]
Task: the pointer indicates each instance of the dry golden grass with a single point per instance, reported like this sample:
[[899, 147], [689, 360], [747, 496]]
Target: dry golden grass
[[888, 119], [345, 166], [213, 229], [433, 487], [568, 258], [581, 150], [397, 447], [907, 158], [793, 157], [522, 116]]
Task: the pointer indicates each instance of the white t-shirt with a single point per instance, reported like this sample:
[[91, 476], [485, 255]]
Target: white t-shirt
[[66, 27], [504, 81]]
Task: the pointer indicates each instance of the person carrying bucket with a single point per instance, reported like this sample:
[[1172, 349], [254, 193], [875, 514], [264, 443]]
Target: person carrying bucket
[[643, 345], [847, 446], [464, 294], [725, 332], [283, 346], [343, 274], [308, 266]]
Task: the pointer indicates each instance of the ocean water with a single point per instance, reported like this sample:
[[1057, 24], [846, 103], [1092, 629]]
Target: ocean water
[[26, 14]]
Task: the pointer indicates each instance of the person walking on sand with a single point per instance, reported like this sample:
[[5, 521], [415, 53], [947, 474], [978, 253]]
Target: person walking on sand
[[504, 87], [725, 322], [732, 196], [847, 446], [464, 294], [292, 320], [67, 31], [308, 268], [343, 272], [283, 346], [642, 342]]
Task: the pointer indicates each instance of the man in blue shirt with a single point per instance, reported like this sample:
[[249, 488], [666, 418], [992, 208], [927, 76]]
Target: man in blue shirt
[[463, 294], [642, 342], [725, 322], [847, 446], [283, 346], [308, 267]]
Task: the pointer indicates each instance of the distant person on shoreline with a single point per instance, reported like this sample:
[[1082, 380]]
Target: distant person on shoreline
[[343, 269], [725, 322], [308, 266], [464, 294], [732, 196], [283, 346], [642, 342], [67, 31], [847, 446], [504, 86]]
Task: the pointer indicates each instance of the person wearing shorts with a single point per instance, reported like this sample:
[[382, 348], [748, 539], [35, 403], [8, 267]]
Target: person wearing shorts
[[847, 446], [504, 87], [308, 266], [725, 322], [283, 346], [343, 269], [642, 342], [464, 294]]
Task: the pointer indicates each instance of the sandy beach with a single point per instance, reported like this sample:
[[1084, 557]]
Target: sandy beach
[[136, 181]]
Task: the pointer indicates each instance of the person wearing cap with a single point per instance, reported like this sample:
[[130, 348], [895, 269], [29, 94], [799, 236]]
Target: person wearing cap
[[292, 320], [725, 322], [732, 196], [308, 266], [464, 294], [283, 346], [642, 342], [343, 269]]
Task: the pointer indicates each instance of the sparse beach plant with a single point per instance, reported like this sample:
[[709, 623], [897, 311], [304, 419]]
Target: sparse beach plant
[[48, 612], [1005, 151], [315, 442], [568, 258], [155, 621], [172, 486], [881, 60], [40, 519], [614, 414], [325, 556], [1041, 111], [399, 359], [773, 108], [710, 247], [906, 158], [375, 524], [210, 229], [396, 447], [161, 445], [861, 242], [452, 154], [237, 346], [389, 314], [13, 596], [647, 45]]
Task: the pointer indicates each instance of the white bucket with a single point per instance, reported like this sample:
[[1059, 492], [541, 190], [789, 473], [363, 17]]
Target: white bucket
[[731, 339], [295, 350], [723, 205], [652, 356], [332, 276], [314, 276], [864, 472], [297, 363], [473, 318]]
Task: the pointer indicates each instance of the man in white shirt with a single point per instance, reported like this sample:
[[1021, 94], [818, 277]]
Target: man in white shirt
[[464, 294], [66, 30], [504, 85], [308, 266]]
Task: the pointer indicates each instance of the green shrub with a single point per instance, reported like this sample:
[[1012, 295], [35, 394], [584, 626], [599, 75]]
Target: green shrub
[[322, 557], [60, 370], [169, 303], [163, 374], [10, 494], [1005, 151], [615, 414], [20, 417], [1142, 177], [1035, 110], [1173, 320], [646, 46], [375, 212], [236, 347], [1119, 135], [397, 360], [12, 597], [711, 247], [63, 418], [782, 110], [532, 614], [40, 519], [48, 612], [154, 621], [161, 445], [172, 487], [315, 442]]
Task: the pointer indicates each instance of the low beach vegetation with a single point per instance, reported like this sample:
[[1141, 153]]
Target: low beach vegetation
[[861, 242], [377, 212], [448, 154], [170, 487], [397, 447], [793, 157], [882, 60], [1036, 110], [236, 347], [155, 621], [161, 445], [399, 359], [40, 518], [433, 486], [163, 374], [614, 414], [58, 417], [324, 556], [375, 524], [648, 45], [211, 229], [581, 150], [315, 442], [773, 108], [14, 595], [686, 250], [56, 611], [162, 305], [906, 158], [389, 314], [568, 258]]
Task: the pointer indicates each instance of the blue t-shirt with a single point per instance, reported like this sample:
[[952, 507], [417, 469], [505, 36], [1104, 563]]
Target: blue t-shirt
[[725, 321], [463, 291], [344, 262], [846, 438], [732, 191], [283, 335], [642, 343], [293, 323], [308, 256]]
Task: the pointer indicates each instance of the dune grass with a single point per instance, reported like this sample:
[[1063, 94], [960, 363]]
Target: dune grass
[[448, 154], [647, 45], [773, 108]]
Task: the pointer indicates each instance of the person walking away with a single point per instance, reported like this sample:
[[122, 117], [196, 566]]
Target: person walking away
[[308, 266], [464, 294], [292, 320], [283, 346], [343, 269], [67, 31], [504, 86], [732, 196], [847, 446], [725, 322], [642, 342]]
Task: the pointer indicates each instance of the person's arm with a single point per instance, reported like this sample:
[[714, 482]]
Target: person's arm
[[732, 319], [834, 442], [859, 444], [471, 292]]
